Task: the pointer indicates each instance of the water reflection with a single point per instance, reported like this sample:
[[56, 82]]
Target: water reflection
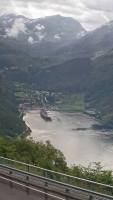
[[72, 133]]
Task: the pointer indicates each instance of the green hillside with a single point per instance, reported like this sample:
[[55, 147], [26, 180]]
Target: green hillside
[[102, 84], [70, 76], [10, 124]]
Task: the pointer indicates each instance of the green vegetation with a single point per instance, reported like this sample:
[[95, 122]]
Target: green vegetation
[[20, 94], [39, 154], [46, 156], [10, 124], [93, 172], [100, 92], [71, 102], [26, 95]]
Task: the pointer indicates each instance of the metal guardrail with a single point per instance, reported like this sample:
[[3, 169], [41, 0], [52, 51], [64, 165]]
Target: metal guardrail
[[101, 191]]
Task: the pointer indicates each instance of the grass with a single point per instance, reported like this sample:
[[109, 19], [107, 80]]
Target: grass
[[20, 94], [108, 117], [71, 102]]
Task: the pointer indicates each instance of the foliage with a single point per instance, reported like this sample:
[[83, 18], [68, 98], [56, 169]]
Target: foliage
[[39, 154], [46, 156], [69, 77], [100, 91], [71, 102], [93, 172], [10, 124]]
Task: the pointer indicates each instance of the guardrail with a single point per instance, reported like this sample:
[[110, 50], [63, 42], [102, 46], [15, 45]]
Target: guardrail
[[55, 178]]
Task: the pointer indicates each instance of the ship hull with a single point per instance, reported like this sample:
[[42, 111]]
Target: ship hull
[[45, 117]]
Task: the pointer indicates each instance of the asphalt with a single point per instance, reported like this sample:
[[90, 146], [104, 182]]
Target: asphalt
[[10, 190]]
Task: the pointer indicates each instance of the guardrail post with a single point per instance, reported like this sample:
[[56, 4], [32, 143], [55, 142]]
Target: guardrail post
[[68, 180], [91, 186], [46, 175], [27, 168], [1, 160], [10, 166], [90, 197], [10, 163]]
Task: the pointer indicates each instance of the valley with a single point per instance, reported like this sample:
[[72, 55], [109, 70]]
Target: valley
[[54, 63], [33, 99], [74, 66]]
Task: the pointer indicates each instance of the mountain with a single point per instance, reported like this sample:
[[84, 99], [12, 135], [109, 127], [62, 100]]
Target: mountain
[[101, 87], [92, 45], [19, 65], [39, 36], [71, 76], [71, 71], [10, 124]]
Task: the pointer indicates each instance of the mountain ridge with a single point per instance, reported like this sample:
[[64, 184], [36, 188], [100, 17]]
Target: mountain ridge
[[92, 45], [52, 31]]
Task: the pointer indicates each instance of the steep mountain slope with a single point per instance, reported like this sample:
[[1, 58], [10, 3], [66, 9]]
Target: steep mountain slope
[[91, 45], [10, 124], [101, 87], [39, 36], [71, 76], [15, 60]]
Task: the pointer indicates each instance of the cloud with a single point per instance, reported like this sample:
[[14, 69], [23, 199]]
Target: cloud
[[57, 37], [101, 5], [104, 16], [90, 13], [39, 27], [16, 28], [40, 36], [30, 40]]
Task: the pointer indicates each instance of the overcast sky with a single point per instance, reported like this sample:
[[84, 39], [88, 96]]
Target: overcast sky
[[90, 13]]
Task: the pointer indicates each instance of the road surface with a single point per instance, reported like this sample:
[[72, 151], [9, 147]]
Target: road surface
[[10, 190]]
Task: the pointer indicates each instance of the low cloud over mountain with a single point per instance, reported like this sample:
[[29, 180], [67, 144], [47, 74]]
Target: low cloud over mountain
[[17, 28], [48, 32]]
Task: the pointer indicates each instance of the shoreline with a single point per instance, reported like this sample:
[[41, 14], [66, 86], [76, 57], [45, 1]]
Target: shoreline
[[64, 136], [103, 125]]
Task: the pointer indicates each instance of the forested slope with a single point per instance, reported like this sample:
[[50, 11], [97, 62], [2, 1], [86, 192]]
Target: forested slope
[[101, 88], [10, 124]]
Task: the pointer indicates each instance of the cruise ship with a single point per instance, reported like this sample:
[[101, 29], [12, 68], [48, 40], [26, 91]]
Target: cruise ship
[[46, 115]]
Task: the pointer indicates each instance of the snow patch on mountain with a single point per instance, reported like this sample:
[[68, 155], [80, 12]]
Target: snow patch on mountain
[[10, 20], [40, 36], [30, 40], [81, 34], [17, 27], [39, 27], [108, 24], [32, 20], [57, 37]]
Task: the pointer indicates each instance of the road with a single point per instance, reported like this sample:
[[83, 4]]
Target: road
[[11, 190]]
